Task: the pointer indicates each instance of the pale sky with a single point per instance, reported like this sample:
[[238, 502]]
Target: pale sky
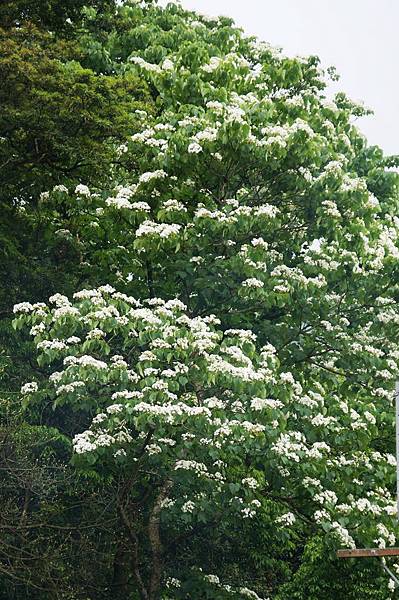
[[359, 37]]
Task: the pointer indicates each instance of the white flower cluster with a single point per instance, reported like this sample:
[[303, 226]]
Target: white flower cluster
[[146, 66], [85, 361], [82, 190], [286, 519], [253, 283], [122, 200], [29, 388], [151, 175], [162, 230]]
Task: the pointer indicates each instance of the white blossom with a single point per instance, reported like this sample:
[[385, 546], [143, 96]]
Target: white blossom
[[29, 388]]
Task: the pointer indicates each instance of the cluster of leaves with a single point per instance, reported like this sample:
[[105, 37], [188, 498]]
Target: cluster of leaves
[[59, 122], [247, 432]]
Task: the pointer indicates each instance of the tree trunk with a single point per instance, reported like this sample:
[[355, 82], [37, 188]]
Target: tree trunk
[[121, 573], [155, 541]]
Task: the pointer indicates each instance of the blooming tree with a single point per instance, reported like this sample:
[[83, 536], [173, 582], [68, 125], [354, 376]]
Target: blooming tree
[[243, 351]]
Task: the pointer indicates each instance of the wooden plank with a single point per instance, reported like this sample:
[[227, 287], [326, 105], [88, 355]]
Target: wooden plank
[[360, 552]]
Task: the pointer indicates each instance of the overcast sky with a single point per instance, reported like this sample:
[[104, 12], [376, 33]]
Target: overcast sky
[[359, 37]]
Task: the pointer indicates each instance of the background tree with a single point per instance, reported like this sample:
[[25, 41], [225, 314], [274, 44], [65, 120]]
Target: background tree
[[60, 122]]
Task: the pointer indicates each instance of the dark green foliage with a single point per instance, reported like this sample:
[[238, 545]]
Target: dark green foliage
[[52, 14], [321, 575], [58, 119], [59, 122]]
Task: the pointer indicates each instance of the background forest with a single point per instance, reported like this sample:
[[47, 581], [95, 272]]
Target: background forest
[[198, 314]]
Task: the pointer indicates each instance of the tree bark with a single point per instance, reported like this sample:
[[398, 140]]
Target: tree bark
[[155, 540], [121, 572], [134, 554]]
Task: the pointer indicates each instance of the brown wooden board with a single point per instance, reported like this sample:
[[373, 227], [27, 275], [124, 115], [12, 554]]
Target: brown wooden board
[[368, 552]]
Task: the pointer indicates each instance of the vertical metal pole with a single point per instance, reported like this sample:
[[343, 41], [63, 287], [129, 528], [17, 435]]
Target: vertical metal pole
[[391, 575], [397, 446]]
